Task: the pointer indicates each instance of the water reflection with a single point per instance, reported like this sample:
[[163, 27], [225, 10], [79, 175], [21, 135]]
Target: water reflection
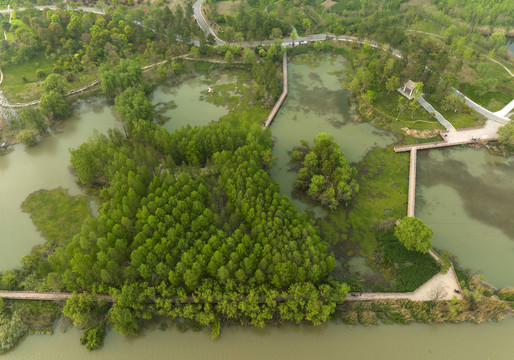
[[467, 197]]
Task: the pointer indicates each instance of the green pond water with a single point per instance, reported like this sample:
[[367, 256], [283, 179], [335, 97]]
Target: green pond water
[[330, 341], [45, 166], [467, 197], [316, 103], [190, 110]]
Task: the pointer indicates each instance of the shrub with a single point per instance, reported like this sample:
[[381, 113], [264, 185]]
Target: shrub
[[27, 137], [93, 337]]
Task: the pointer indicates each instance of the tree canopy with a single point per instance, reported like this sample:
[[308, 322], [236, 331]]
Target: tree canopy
[[323, 172], [171, 231], [506, 135], [414, 234]]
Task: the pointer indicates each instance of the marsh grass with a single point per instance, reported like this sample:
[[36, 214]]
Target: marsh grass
[[57, 214]]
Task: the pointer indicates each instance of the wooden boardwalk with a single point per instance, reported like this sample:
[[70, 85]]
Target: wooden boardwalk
[[412, 182], [48, 296], [433, 145], [282, 97]]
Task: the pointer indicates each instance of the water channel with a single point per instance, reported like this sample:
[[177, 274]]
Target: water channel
[[316, 103]]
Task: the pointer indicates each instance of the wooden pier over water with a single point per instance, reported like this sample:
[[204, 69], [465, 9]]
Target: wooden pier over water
[[449, 138], [282, 97], [412, 182]]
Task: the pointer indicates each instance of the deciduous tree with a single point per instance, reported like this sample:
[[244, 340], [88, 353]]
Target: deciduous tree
[[414, 234]]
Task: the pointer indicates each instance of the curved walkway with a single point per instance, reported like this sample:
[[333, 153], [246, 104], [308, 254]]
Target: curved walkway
[[482, 110], [200, 19], [506, 110]]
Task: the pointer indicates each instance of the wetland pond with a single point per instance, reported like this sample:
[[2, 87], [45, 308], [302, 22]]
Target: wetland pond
[[464, 194]]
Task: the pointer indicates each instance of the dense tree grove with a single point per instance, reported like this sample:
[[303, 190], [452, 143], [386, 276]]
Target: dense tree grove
[[192, 226], [53, 102], [323, 172], [115, 79], [482, 12], [79, 41]]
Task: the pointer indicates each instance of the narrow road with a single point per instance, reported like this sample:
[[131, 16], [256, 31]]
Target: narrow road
[[200, 19], [45, 296]]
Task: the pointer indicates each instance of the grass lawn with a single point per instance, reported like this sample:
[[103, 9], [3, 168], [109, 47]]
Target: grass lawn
[[383, 113], [492, 100], [18, 90], [382, 199], [56, 214], [465, 118], [382, 196], [427, 26], [15, 88]]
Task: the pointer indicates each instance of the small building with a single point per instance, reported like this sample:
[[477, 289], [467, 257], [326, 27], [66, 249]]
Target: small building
[[407, 89]]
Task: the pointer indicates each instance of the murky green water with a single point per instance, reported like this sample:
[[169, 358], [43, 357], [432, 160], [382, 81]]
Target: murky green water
[[467, 197], [304, 115], [330, 341], [190, 109], [316, 103], [45, 166]]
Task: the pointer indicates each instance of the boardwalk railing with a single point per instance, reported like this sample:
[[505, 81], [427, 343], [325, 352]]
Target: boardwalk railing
[[282, 97]]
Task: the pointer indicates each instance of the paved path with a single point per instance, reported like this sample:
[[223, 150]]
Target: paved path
[[436, 114], [439, 287], [200, 19], [507, 109], [481, 110], [455, 137], [49, 296]]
